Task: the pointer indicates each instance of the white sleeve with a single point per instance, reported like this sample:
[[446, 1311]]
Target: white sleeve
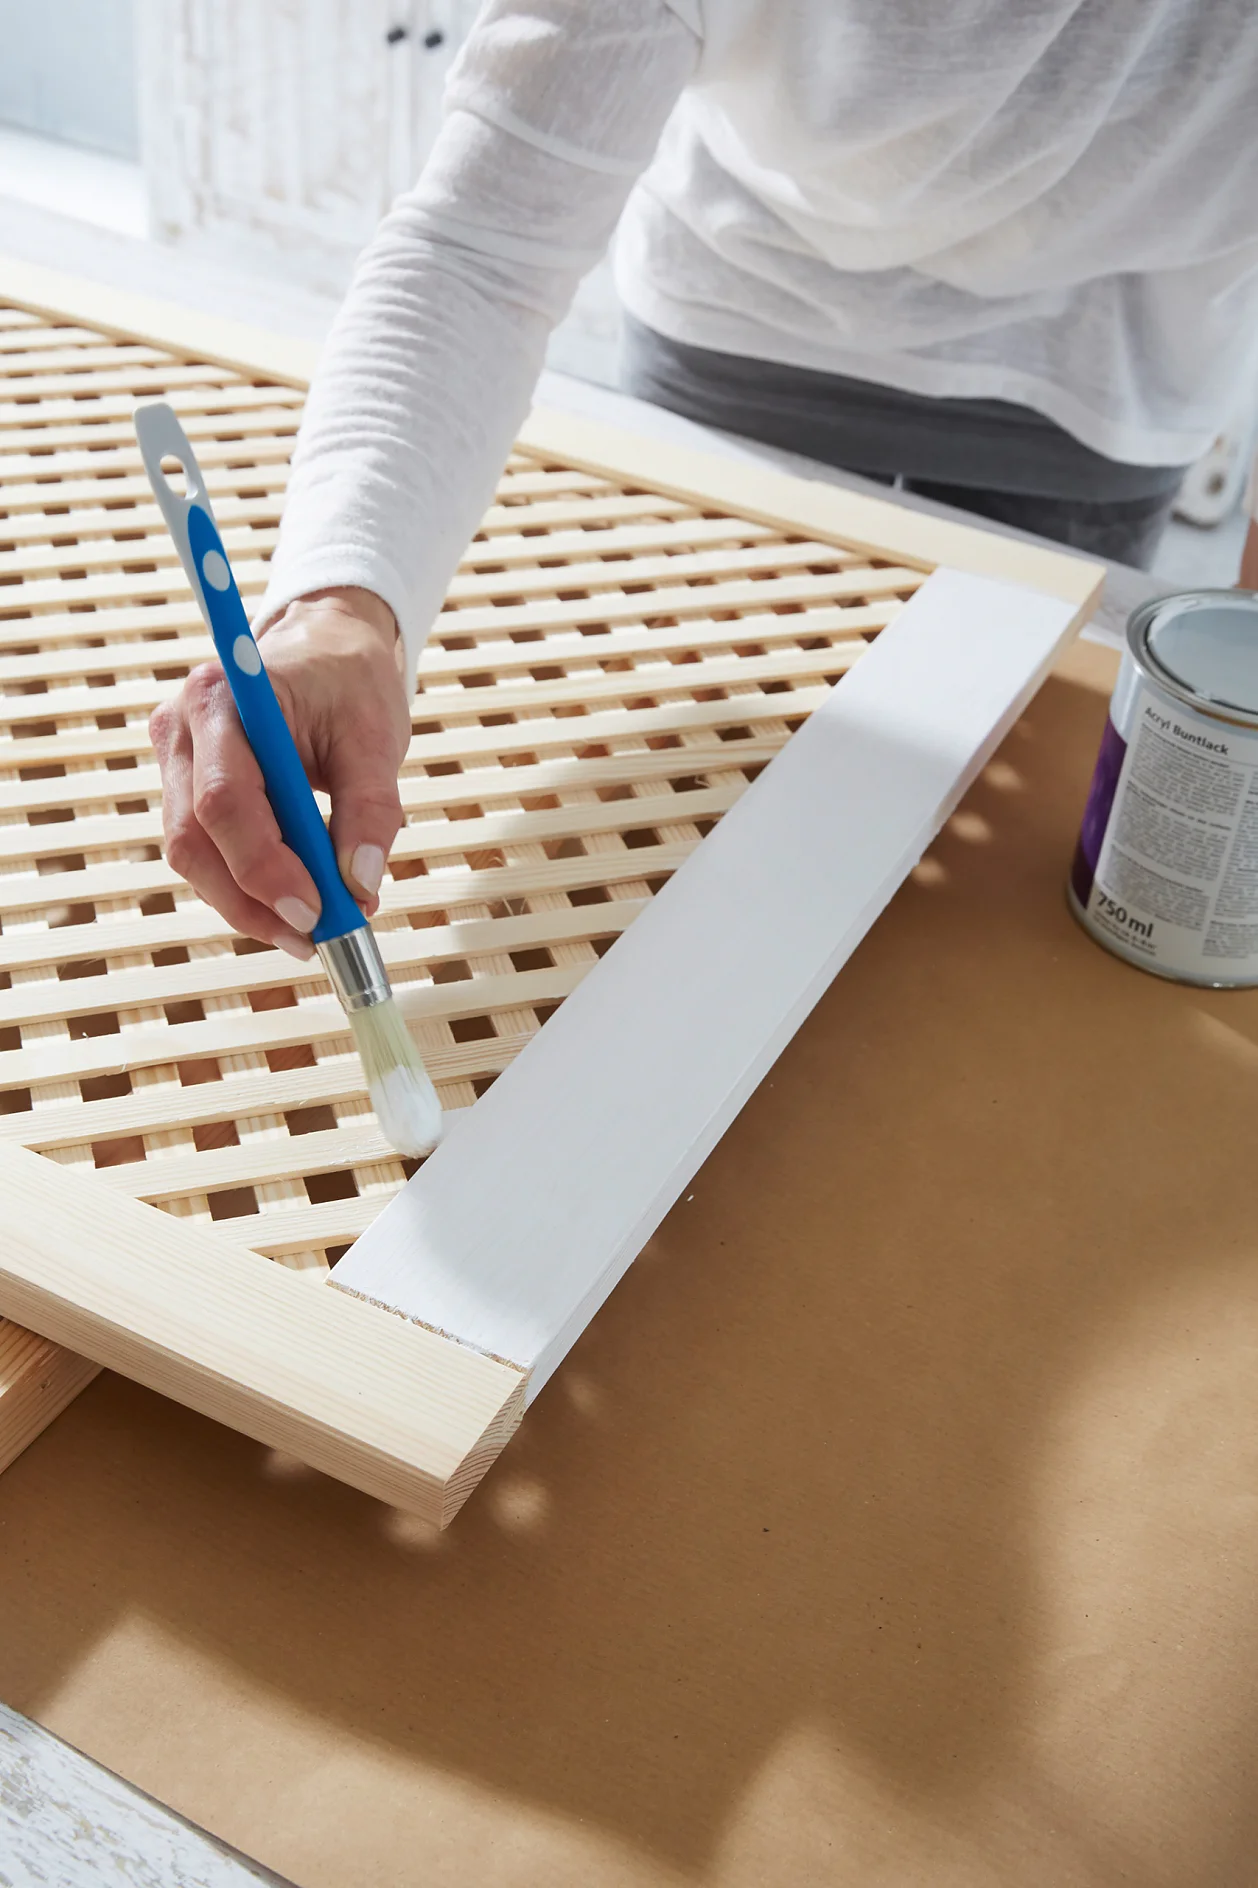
[[553, 108]]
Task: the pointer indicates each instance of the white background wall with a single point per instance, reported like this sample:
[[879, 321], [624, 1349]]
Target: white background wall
[[68, 70]]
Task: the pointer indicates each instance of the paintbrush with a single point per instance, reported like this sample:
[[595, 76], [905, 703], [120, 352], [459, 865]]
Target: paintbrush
[[402, 1094]]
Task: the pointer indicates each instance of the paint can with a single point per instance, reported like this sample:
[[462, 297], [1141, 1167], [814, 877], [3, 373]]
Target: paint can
[[1166, 869]]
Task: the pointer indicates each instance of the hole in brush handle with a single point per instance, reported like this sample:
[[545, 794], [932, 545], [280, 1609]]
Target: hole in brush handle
[[175, 473], [168, 457]]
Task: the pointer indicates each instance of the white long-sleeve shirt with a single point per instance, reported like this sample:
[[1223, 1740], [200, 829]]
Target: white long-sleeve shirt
[[1053, 202]]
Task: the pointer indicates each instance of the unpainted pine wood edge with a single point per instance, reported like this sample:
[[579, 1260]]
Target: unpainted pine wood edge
[[600, 1112], [126, 316], [38, 1379], [376, 1401], [830, 513]]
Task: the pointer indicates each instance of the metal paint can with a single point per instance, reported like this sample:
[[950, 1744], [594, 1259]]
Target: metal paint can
[[1166, 870]]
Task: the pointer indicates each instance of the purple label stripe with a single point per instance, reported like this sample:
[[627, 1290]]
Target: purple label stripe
[[1109, 765]]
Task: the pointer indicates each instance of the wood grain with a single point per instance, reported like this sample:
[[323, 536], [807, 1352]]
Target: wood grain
[[378, 1403], [37, 1380]]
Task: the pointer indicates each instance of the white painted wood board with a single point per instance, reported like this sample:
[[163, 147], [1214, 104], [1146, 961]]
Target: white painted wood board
[[517, 1229]]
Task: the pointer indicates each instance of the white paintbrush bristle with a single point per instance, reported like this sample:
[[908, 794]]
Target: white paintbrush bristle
[[402, 1093]]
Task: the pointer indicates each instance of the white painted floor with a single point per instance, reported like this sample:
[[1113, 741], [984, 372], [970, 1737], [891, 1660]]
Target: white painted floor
[[66, 1823], [78, 211]]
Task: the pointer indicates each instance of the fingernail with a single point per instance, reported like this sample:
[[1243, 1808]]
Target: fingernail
[[366, 868], [297, 914], [299, 947]]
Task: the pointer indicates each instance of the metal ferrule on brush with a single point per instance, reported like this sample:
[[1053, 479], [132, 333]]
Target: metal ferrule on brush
[[356, 968]]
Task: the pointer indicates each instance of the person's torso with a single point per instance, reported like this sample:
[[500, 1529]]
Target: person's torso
[[999, 145], [1050, 202]]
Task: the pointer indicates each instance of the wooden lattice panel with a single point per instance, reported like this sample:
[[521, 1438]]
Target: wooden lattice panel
[[634, 634], [612, 668]]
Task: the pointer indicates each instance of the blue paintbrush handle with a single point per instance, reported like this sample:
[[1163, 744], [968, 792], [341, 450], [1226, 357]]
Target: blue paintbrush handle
[[267, 732], [200, 548]]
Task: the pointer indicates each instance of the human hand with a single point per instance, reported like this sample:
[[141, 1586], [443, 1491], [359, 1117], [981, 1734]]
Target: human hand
[[335, 662]]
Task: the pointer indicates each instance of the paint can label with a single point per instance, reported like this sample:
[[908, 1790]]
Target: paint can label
[[1166, 871]]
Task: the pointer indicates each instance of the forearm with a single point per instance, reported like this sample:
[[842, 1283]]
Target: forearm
[[432, 361], [424, 381]]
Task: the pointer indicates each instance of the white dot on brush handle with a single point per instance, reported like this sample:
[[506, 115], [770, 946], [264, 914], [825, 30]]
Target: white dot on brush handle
[[245, 655], [214, 570]]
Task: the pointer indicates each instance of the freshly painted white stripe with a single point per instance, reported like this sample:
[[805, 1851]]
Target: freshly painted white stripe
[[518, 1227]]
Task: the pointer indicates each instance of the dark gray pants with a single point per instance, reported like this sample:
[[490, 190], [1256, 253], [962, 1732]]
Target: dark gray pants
[[989, 457]]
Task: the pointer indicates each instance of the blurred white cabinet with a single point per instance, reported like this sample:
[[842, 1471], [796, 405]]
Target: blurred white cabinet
[[286, 127]]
